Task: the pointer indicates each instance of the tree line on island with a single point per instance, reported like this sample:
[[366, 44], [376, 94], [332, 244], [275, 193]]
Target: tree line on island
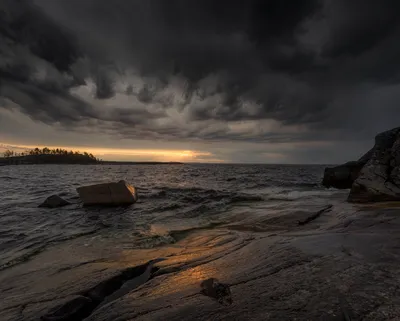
[[61, 156], [47, 156]]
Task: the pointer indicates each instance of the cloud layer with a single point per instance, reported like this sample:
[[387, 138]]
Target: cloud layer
[[277, 71]]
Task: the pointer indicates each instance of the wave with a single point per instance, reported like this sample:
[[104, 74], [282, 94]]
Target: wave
[[200, 195], [22, 258], [296, 195], [8, 178], [183, 189], [159, 194], [285, 184], [155, 241], [148, 240], [166, 208], [178, 235], [303, 184]]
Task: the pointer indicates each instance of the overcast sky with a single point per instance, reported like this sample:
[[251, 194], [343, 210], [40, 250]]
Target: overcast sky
[[273, 81]]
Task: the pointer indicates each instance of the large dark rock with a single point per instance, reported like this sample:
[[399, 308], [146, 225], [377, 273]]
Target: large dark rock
[[110, 194], [379, 179], [342, 176]]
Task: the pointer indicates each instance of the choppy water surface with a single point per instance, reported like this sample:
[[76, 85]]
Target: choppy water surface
[[173, 199]]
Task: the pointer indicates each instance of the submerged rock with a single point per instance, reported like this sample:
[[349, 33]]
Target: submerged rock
[[113, 194], [219, 291], [54, 201], [379, 179]]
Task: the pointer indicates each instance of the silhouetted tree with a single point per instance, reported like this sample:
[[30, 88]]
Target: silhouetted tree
[[8, 153], [53, 155]]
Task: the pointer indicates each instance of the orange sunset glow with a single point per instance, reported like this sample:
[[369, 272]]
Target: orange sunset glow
[[164, 155]]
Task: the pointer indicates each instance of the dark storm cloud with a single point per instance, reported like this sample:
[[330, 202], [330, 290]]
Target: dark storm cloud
[[300, 63]]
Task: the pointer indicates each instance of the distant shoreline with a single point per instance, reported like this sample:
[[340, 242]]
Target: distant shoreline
[[69, 160], [9, 162], [138, 163]]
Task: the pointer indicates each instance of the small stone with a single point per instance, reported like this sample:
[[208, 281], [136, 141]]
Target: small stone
[[219, 291], [54, 201]]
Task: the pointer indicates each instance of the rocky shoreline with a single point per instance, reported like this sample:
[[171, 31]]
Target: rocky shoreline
[[340, 264], [337, 262]]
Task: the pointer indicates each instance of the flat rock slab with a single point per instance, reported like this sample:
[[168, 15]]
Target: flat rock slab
[[333, 270]]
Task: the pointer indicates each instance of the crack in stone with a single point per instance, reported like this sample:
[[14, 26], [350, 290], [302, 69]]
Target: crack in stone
[[86, 302], [274, 271], [205, 260], [67, 268], [151, 311], [316, 215]]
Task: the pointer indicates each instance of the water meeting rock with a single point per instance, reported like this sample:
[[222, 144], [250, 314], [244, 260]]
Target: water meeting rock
[[109, 194]]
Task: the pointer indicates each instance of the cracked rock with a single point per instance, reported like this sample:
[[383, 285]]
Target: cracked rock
[[76, 309]]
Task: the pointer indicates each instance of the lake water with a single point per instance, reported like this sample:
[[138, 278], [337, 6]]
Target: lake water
[[173, 201]]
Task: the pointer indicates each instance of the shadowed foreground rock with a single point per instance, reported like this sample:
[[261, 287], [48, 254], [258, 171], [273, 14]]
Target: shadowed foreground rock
[[110, 194], [343, 265], [54, 201]]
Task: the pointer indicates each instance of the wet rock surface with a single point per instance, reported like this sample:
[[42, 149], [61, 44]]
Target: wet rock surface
[[340, 265]]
